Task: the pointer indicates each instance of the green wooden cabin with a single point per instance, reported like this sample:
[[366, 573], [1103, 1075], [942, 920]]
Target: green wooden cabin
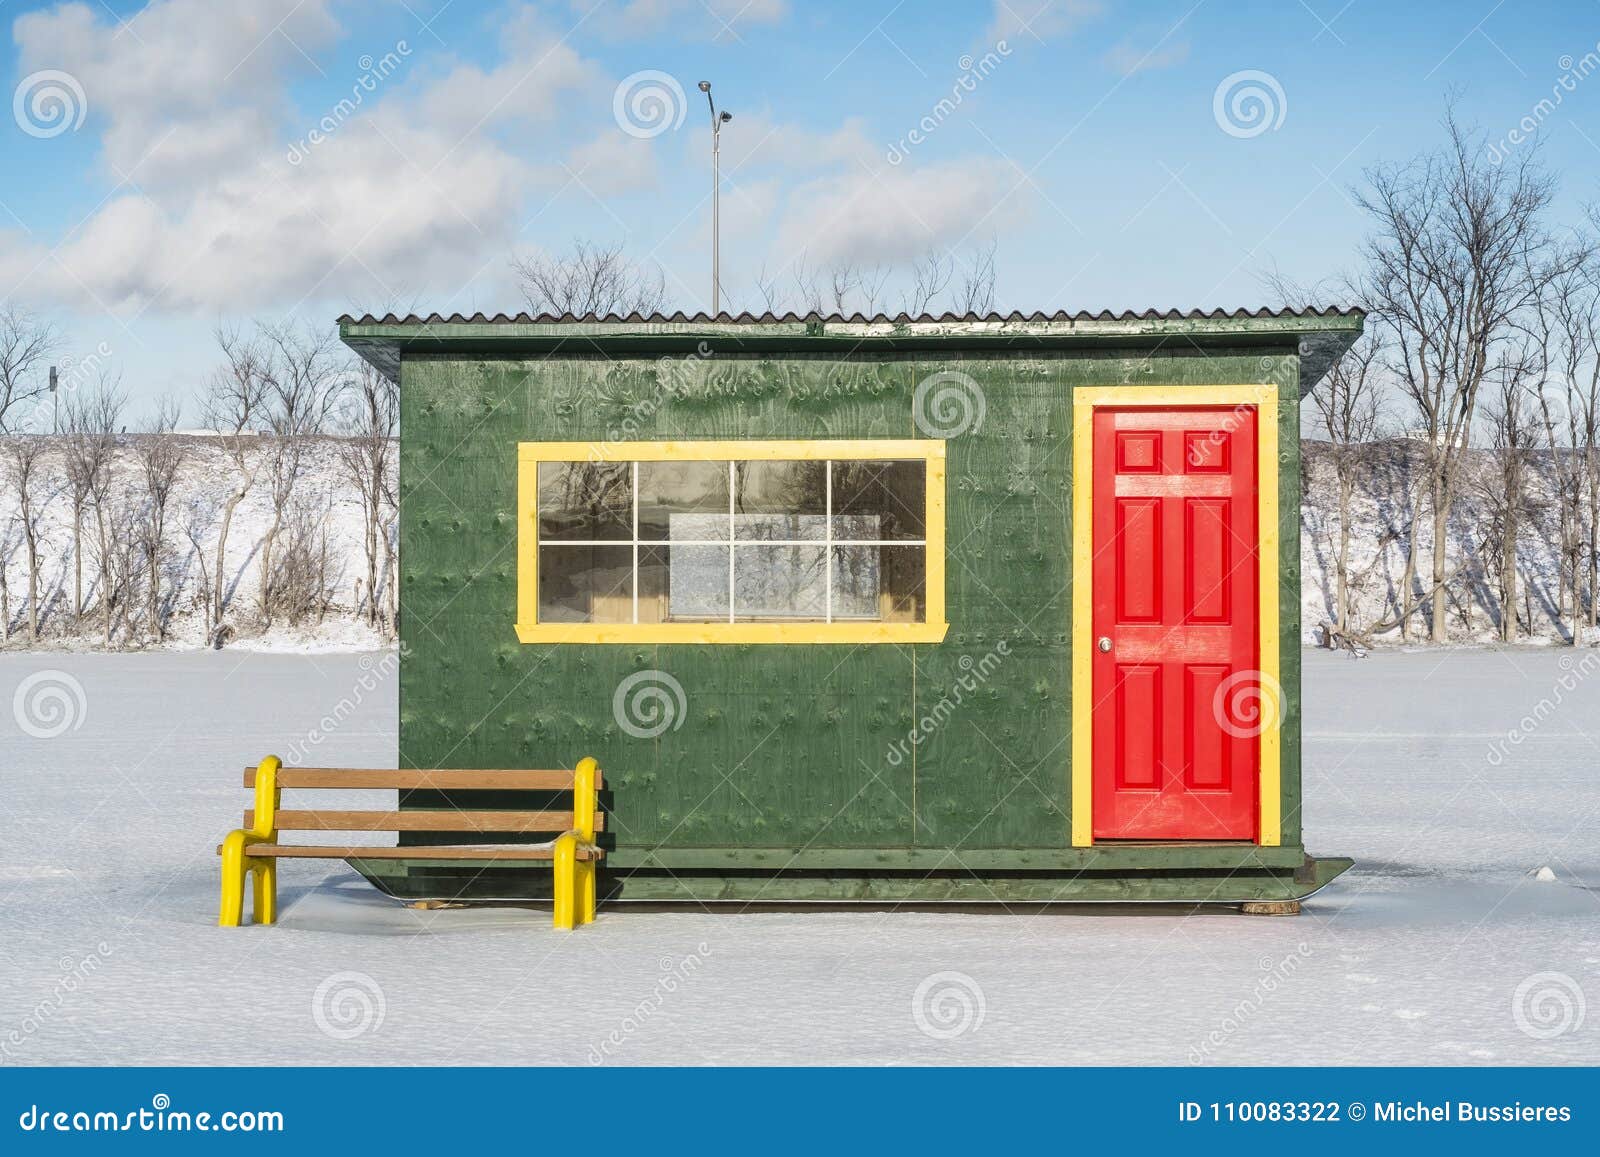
[[944, 609]]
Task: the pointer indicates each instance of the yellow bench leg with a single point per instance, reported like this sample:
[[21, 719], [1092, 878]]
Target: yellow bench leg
[[266, 890], [231, 912], [566, 864], [586, 888]]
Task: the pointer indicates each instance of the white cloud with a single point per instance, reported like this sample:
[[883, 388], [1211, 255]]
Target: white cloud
[[1029, 21], [614, 163], [755, 141], [188, 86], [1130, 60], [412, 188], [895, 214], [721, 20]]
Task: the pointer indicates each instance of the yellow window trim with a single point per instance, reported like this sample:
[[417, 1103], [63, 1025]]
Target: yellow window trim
[[1264, 397], [531, 630]]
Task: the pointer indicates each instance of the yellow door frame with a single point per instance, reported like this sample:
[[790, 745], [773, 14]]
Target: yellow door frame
[[1263, 398]]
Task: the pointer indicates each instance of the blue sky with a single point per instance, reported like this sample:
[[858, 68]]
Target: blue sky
[[1086, 146]]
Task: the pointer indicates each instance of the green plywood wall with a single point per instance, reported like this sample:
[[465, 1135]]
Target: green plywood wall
[[782, 746]]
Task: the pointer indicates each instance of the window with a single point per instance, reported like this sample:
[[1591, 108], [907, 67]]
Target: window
[[750, 542]]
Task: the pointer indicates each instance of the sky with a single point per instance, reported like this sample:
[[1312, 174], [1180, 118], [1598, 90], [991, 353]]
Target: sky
[[178, 165]]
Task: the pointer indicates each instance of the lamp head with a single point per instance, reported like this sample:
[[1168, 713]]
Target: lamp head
[[705, 86], [726, 117]]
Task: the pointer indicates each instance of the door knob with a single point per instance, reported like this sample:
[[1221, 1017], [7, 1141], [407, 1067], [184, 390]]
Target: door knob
[[1104, 644]]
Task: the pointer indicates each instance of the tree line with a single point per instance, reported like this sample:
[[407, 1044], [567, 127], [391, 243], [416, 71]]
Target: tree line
[[134, 532], [1482, 348]]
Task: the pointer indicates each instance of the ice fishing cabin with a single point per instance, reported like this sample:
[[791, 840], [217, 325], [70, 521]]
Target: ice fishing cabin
[[892, 609]]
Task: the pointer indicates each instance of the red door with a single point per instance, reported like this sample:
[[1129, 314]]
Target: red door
[[1175, 623]]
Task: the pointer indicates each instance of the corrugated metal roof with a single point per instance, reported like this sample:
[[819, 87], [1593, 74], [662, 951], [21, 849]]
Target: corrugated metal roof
[[792, 318]]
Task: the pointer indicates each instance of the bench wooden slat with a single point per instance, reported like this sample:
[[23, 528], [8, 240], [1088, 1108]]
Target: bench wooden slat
[[410, 779], [421, 821], [430, 852]]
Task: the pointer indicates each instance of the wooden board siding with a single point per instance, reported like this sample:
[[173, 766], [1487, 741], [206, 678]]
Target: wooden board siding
[[783, 746]]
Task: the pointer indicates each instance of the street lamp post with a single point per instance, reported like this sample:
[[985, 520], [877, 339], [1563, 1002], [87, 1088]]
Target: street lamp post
[[717, 121]]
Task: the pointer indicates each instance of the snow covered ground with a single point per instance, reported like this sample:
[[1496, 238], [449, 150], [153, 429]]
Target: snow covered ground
[[1451, 776]]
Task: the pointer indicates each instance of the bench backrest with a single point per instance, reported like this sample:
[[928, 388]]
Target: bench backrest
[[270, 779]]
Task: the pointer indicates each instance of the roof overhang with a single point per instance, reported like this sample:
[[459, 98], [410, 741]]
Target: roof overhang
[[1319, 337]]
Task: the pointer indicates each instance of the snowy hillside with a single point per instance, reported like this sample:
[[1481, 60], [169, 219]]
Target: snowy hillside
[[1380, 523], [325, 512]]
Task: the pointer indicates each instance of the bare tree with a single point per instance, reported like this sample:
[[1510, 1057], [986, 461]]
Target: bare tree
[[975, 294], [367, 455], [26, 346], [1347, 413], [592, 279], [199, 516], [303, 575], [302, 369], [843, 280], [24, 460], [123, 516], [1513, 434], [872, 283], [1458, 250], [808, 289], [1563, 332], [5, 582], [91, 442], [390, 531], [772, 297], [930, 275], [160, 455], [234, 405]]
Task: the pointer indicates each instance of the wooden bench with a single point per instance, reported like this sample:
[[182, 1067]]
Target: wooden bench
[[254, 849]]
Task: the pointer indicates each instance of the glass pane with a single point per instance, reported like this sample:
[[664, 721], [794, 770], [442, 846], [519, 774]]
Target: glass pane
[[779, 582], [882, 583], [879, 500], [689, 498], [779, 501], [683, 583], [585, 501], [586, 584]]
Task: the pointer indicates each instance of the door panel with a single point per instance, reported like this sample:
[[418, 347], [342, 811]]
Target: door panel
[[1175, 581]]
